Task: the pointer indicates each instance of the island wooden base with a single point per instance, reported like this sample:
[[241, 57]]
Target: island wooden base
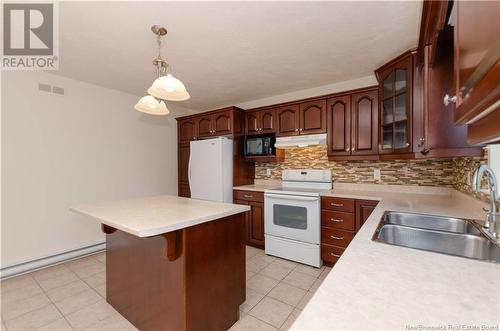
[[190, 279]]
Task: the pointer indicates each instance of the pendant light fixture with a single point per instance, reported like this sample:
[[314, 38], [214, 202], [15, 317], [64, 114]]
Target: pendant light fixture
[[165, 87]]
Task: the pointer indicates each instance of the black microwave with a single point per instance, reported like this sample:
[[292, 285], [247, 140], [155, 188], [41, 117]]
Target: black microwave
[[259, 146]]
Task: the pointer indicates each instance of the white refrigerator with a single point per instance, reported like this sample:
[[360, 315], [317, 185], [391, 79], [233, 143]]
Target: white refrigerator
[[210, 170]]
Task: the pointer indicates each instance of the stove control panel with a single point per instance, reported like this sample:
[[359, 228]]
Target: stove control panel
[[307, 175]]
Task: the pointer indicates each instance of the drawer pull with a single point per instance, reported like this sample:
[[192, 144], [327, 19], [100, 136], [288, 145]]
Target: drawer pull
[[335, 255], [248, 196], [337, 204], [336, 220], [337, 238]]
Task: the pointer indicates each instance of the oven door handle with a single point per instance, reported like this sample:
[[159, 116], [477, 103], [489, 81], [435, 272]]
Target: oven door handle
[[290, 197]]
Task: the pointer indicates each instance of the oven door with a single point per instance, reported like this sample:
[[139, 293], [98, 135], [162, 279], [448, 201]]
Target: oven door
[[292, 217]]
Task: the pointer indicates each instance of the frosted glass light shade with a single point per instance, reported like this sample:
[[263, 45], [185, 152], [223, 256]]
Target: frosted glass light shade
[[150, 105], [169, 88]]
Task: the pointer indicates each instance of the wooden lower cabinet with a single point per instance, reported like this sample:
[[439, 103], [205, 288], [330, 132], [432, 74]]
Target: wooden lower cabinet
[[254, 218], [341, 218], [364, 208]]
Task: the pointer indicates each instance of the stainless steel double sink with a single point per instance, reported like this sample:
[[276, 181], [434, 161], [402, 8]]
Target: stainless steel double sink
[[446, 235]]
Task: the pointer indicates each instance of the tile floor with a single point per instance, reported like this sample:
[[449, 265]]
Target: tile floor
[[71, 296]]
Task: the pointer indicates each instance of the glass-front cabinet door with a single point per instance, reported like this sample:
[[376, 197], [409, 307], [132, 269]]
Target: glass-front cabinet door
[[396, 100]]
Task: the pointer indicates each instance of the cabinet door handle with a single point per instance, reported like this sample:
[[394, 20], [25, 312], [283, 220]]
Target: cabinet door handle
[[300, 129], [296, 130], [407, 144], [337, 204], [336, 220], [248, 196], [448, 100], [337, 238], [347, 149], [353, 149], [335, 255]]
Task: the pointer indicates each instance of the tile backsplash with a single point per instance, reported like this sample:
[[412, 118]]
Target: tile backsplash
[[453, 172]]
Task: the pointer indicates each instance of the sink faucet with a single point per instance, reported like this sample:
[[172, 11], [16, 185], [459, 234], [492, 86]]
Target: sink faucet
[[492, 218]]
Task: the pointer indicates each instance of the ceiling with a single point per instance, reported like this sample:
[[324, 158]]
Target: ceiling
[[230, 52]]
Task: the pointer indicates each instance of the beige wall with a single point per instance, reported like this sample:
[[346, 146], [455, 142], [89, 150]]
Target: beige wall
[[88, 145], [312, 92]]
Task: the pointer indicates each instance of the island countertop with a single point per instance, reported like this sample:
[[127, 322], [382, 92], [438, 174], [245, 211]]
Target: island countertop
[[151, 216]]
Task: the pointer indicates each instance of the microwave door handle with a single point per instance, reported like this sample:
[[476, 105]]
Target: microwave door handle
[[290, 197]]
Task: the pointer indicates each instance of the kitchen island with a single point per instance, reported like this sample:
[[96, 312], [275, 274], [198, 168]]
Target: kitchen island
[[173, 263]]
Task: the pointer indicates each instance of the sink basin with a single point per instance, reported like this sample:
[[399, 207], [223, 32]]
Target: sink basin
[[439, 234], [431, 222]]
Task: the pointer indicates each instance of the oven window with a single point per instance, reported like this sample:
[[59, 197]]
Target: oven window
[[290, 216]]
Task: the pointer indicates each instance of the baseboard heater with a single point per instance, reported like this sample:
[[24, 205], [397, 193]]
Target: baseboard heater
[[45, 262]]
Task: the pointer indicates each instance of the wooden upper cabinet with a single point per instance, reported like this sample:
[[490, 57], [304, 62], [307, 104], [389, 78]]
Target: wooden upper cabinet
[[222, 123], [477, 68], [252, 122], [312, 117], [205, 125], [259, 121], [339, 125], [186, 130], [267, 121], [396, 90], [364, 123], [288, 122]]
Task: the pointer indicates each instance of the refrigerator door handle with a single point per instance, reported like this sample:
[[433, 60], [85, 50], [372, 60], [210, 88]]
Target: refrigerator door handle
[[189, 171]]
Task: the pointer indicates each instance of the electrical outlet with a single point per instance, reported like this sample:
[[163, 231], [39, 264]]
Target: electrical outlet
[[376, 174], [268, 172]]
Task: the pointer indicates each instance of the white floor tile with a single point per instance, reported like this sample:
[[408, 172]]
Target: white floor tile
[[305, 300], [250, 323], [17, 308], [57, 281], [271, 311], [262, 284], [288, 294], [289, 321], [78, 301], [308, 270], [68, 290], [299, 280], [253, 297], [17, 283], [113, 323], [96, 280], [91, 315], [276, 271], [58, 325], [31, 289], [34, 319]]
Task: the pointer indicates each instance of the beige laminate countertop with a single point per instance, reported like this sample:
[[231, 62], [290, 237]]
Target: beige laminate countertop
[[151, 216], [376, 286]]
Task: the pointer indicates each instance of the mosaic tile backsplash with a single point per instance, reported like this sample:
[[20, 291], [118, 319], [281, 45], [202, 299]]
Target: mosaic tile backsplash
[[456, 172]]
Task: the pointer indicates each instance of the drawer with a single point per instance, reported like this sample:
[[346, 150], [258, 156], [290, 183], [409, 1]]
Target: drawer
[[330, 254], [336, 237], [338, 204], [248, 196], [338, 220]]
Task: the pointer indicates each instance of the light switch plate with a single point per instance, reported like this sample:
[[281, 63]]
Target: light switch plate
[[376, 174], [268, 172]]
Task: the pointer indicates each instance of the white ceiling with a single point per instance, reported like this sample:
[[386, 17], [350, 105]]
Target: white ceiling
[[230, 52]]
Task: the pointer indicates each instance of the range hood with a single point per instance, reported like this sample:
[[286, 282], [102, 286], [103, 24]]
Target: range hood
[[300, 141]]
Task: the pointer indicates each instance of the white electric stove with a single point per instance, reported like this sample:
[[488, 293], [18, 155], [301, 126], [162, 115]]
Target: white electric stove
[[292, 219]]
